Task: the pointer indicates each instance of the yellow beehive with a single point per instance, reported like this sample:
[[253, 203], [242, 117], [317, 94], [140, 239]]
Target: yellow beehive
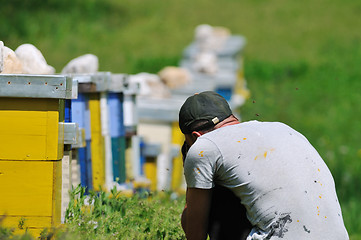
[[31, 149]]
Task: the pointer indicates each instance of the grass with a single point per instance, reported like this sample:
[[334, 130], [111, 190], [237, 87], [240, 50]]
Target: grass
[[122, 33], [112, 216], [301, 60], [102, 215]]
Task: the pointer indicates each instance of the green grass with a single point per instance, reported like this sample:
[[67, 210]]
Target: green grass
[[113, 216], [122, 33], [302, 59]]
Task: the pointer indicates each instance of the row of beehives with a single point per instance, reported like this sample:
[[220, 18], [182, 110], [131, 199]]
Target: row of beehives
[[60, 130], [27, 59], [113, 129], [78, 127]]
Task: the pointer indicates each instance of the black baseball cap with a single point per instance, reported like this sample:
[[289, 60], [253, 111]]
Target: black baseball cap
[[206, 105]]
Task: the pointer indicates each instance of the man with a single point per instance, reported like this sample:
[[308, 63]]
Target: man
[[285, 186]]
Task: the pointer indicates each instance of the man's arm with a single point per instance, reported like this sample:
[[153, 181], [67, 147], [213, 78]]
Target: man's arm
[[196, 213]]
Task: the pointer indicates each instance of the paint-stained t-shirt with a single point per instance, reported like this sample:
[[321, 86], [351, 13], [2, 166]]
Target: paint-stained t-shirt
[[282, 181]]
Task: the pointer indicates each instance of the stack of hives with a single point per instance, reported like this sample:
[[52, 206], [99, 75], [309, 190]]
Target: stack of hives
[[157, 125], [45, 125], [215, 61]]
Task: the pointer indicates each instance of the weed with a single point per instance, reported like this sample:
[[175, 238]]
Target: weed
[[21, 223]]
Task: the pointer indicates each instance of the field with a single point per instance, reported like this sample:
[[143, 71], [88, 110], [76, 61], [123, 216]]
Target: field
[[302, 64]]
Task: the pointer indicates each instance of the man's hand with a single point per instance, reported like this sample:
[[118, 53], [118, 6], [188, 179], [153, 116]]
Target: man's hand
[[197, 213]]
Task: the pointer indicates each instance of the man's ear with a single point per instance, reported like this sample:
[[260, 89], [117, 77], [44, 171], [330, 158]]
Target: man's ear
[[196, 134]]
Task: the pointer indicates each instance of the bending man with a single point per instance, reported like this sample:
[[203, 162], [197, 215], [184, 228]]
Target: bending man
[[280, 179]]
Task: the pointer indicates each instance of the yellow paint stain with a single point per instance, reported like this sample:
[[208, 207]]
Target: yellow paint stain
[[243, 139], [318, 214], [318, 170], [317, 207], [201, 154], [320, 196], [265, 154], [256, 158], [298, 220], [325, 217], [272, 149]]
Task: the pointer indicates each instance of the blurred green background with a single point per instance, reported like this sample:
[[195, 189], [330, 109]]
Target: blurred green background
[[302, 59]]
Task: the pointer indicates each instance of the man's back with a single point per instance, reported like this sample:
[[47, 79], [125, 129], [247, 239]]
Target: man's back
[[282, 181]]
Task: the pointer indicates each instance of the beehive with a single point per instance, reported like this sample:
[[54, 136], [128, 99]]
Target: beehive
[[31, 149]]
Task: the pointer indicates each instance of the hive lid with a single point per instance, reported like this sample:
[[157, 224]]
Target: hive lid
[[37, 86]]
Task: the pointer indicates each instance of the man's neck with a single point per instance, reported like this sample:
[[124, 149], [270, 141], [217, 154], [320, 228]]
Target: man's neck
[[231, 120]]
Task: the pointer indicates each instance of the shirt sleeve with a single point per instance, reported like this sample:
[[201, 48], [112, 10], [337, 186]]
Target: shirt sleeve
[[200, 164]]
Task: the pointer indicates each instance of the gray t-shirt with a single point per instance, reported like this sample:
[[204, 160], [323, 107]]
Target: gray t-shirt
[[282, 181]]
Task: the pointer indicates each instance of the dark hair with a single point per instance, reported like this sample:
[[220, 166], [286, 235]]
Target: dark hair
[[201, 125], [204, 125]]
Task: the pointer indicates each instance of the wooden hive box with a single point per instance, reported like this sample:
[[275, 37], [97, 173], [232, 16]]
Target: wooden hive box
[[31, 149]]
